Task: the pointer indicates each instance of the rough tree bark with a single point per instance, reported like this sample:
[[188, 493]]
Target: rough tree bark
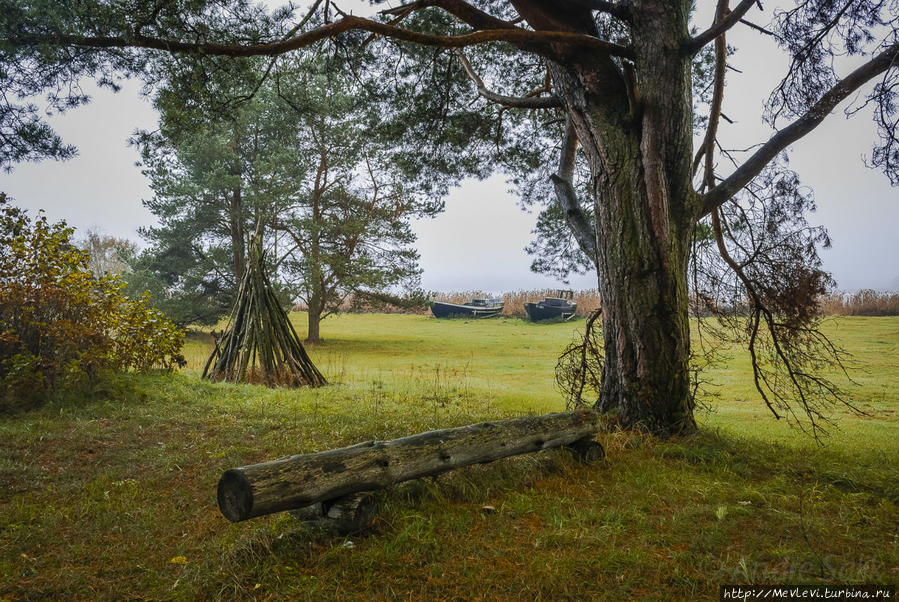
[[313, 334], [635, 130], [316, 299]]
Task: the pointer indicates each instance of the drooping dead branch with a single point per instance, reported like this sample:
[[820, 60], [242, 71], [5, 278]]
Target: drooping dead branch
[[761, 279], [579, 368]]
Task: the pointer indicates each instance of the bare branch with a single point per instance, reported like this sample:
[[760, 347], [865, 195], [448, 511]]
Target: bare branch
[[708, 144], [464, 11], [521, 102], [759, 28], [799, 128], [695, 44], [584, 232]]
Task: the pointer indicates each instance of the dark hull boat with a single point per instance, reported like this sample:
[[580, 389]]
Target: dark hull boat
[[478, 308], [551, 308]]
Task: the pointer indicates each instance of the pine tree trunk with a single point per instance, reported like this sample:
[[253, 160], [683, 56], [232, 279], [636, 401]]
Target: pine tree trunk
[[235, 216], [314, 276], [642, 268], [238, 249], [635, 130], [646, 335]]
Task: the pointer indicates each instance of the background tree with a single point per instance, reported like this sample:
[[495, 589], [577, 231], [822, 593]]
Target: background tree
[[305, 153], [621, 77], [107, 254], [348, 214], [209, 165]]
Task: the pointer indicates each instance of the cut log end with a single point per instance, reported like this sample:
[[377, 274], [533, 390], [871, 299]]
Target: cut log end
[[235, 495]]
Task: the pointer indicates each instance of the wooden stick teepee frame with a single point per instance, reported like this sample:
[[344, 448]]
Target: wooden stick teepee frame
[[260, 344]]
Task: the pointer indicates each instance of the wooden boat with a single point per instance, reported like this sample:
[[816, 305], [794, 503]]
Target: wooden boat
[[477, 308], [561, 307]]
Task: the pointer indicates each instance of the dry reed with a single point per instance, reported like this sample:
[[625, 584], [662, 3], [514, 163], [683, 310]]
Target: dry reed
[[866, 302]]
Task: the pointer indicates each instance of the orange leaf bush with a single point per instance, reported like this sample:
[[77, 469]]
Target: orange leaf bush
[[59, 325]]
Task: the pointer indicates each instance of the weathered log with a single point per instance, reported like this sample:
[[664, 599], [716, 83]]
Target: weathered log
[[303, 480]]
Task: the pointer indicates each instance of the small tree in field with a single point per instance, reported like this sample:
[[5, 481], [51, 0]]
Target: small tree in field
[[348, 217]]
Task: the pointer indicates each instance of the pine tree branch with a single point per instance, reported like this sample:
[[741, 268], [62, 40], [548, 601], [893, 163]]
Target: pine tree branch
[[513, 35], [584, 233], [619, 10], [696, 43], [708, 144], [463, 11], [520, 102], [718, 195]]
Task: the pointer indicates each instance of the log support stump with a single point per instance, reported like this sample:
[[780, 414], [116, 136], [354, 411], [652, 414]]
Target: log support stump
[[588, 450], [348, 515]]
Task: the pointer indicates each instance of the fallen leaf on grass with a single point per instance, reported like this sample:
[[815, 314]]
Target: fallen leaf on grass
[[178, 560]]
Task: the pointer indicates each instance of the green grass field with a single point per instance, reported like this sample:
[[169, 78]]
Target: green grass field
[[112, 495]]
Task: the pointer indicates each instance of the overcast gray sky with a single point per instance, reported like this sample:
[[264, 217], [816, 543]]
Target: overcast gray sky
[[478, 242]]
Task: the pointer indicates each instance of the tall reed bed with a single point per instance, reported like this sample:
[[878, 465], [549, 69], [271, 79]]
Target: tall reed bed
[[587, 300], [866, 302], [863, 303]]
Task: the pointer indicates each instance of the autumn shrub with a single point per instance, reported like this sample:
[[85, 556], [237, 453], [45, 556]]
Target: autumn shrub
[[60, 326]]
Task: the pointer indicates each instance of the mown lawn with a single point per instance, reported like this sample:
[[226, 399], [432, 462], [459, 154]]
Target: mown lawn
[[112, 495]]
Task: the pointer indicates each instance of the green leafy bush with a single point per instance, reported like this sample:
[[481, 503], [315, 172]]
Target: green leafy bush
[[60, 326]]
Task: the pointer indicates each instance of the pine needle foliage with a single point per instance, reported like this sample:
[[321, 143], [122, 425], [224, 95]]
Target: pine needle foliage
[[260, 344]]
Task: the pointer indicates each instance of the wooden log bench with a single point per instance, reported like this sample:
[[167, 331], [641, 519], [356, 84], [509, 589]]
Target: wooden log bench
[[327, 485]]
